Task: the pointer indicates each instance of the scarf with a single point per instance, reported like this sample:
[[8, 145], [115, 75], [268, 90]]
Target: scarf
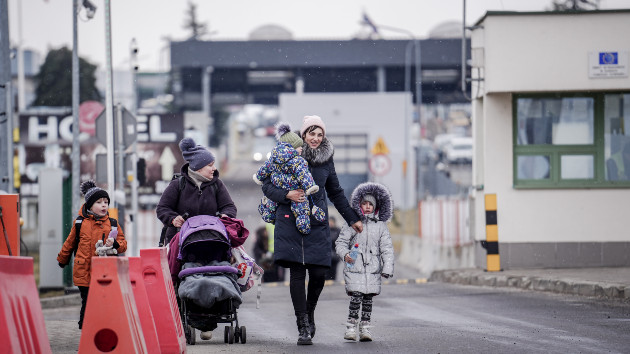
[[370, 217], [320, 154], [197, 178], [96, 217]]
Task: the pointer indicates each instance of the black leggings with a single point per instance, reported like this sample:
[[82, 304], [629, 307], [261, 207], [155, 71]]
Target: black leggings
[[84, 296], [316, 278], [357, 300]]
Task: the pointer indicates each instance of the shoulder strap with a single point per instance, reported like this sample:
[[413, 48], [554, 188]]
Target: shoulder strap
[[181, 185], [77, 230], [181, 179], [77, 233]]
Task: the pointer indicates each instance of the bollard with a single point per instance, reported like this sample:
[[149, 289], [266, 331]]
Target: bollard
[[491, 244]]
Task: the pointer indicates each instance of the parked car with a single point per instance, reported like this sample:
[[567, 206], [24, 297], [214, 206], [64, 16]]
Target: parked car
[[460, 150], [440, 143]]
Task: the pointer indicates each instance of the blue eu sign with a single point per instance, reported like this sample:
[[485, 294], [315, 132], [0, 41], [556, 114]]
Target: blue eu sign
[[608, 58]]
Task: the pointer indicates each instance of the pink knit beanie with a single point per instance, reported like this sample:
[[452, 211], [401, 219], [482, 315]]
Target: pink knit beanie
[[310, 121]]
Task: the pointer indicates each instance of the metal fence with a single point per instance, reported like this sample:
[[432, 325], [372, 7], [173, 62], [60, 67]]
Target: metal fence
[[445, 221]]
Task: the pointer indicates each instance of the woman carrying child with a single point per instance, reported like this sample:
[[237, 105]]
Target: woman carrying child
[[309, 253]]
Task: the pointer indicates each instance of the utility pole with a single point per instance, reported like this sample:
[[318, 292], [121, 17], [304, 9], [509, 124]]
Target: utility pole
[[134, 150], [75, 156], [6, 135], [109, 102], [20, 62]]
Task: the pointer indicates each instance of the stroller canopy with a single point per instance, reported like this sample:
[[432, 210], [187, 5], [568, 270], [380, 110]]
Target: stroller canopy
[[202, 239]]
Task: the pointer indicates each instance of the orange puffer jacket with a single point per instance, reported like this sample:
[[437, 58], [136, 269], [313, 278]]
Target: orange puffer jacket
[[92, 231]]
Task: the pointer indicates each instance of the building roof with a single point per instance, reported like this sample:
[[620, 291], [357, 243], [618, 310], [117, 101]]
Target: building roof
[[435, 53], [551, 13]]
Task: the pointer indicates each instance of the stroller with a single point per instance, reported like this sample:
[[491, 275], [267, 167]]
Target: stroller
[[206, 287]]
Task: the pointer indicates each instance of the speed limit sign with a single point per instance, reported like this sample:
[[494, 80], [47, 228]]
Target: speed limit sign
[[380, 164]]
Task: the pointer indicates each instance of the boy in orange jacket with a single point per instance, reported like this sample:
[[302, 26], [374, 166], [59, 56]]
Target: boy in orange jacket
[[94, 225]]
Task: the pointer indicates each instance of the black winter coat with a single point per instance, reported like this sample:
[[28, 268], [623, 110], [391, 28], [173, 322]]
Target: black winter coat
[[193, 200], [291, 246]]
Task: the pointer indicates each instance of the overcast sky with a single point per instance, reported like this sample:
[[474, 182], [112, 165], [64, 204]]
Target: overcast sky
[[47, 24]]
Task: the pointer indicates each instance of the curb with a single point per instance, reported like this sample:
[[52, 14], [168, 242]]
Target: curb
[[558, 286], [60, 301]]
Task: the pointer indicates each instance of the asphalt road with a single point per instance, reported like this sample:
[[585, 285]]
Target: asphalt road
[[415, 318]]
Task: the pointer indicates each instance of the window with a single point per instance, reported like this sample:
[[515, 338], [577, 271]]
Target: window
[[572, 141]]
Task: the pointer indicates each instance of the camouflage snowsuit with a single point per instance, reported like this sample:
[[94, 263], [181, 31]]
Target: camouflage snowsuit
[[288, 170]]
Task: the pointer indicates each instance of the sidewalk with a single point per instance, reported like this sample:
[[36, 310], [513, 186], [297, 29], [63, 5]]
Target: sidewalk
[[607, 283]]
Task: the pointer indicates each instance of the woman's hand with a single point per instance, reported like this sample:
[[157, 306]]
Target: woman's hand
[[109, 242], [296, 195], [348, 259], [358, 226], [178, 221]]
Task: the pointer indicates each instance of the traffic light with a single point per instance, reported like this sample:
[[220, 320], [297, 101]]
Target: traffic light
[[142, 171]]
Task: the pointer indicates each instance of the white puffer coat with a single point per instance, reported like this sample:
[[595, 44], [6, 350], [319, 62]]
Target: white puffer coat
[[375, 243]]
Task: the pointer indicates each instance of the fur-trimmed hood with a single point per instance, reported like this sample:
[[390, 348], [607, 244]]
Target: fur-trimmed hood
[[384, 207], [320, 155]]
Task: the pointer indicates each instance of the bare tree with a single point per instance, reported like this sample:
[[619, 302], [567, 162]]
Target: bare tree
[[191, 23], [574, 5]]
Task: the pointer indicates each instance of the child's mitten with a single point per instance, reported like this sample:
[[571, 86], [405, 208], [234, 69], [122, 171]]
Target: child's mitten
[[318, 213]]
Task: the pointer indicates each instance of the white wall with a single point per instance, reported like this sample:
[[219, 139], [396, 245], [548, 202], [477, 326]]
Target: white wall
[[547, 52], [376, 114]]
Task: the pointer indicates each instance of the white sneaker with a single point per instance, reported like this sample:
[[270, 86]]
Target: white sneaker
[[207, 335], [364, 332], [351, 330]]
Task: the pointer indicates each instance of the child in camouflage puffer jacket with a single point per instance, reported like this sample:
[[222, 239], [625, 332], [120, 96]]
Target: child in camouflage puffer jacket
[[289, 170]]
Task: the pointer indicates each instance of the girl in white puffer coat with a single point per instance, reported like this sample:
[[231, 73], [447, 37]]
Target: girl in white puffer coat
[[375, 259]]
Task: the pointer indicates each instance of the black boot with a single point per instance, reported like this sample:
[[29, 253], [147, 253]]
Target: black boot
[[311, 321], [303, 328]]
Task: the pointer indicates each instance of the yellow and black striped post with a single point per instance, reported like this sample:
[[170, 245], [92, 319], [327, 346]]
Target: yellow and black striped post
[[493, 263]]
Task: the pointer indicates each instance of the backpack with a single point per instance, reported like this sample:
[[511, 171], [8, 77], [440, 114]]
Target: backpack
[[181, 186], [77, 231]]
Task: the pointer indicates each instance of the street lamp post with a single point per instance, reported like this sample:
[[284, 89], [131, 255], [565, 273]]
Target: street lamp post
[[207, 91], [133, 51], [418, 64], [109, 102], [75, 156]]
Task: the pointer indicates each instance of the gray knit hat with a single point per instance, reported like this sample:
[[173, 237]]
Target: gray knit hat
[[196, 155], [92, 193], [284, 134], [370, 198]]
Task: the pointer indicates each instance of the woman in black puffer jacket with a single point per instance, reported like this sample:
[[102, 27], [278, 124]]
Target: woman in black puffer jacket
[[299, 252]]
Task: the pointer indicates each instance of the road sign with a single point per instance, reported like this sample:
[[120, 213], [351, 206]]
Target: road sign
[[88, 112], [380, 164], [167, 161], [380, 147], [129, 128]]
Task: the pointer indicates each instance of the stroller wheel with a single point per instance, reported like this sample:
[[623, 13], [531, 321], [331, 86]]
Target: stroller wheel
[[237, 334], [191, 335], [228, 337], [243, 334], [231, 339]]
